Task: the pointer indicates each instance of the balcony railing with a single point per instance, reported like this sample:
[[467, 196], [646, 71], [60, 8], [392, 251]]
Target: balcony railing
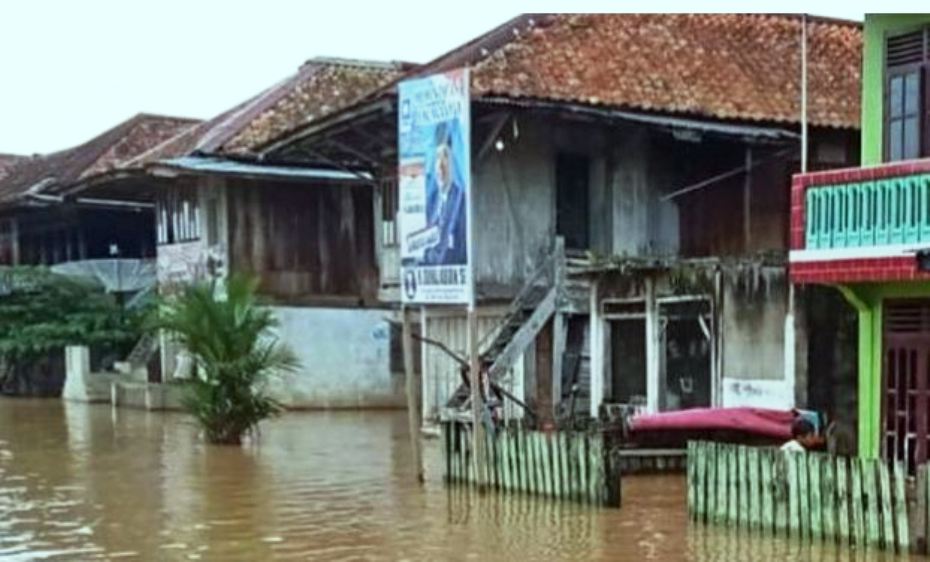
[[894, 210]]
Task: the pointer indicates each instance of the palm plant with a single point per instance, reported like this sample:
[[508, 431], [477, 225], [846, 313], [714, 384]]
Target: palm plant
[[231, 341]]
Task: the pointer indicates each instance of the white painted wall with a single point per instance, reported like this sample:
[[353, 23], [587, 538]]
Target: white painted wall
[[345, 359], [777, 394]]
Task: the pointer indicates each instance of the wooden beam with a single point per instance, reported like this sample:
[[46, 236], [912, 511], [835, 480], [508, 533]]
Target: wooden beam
[[544, 375], [722, 176], [412, 385], [560, 338], [747, 201], [345, 147], [597, 354], [477, 400], [525, 335], [654, 390], [496, 128]]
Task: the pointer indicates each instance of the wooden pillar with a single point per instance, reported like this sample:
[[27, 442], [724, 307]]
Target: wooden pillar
[[597, 353], [559, 341], [477, 402], [747, 202], [14, 240], [412, 385], [544, 375], [653, 376], [717, 343], [426, 390]]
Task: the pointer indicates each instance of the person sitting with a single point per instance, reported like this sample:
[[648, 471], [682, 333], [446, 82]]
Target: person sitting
[[803, 437]]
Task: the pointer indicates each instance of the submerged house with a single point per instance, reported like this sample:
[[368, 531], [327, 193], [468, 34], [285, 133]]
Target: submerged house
[[630, 178], [306, 233], [866, 232], [42, 224]]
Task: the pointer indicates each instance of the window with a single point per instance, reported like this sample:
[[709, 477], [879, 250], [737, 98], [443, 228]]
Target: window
[[907, 126], [389, 206], [178, 216]]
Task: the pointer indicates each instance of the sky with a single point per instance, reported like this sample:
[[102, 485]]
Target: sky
[[71, 70]]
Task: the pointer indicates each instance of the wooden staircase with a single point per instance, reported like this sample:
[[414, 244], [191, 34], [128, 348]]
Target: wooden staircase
[[540, 298]]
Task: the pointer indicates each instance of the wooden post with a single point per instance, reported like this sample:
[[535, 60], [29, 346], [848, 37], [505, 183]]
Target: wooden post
[[477, 401], [412, 387], [747, 201], [842, 487], [597, 354], [544, 357], [654, 387], [902, 532]]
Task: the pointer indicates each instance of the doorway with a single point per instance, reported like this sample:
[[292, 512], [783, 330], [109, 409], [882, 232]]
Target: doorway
[[628, 362], [905, 387], [572, 181], [686, 330]]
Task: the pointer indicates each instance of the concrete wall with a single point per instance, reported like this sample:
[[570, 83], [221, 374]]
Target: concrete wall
[[753, 340], [345, 359]]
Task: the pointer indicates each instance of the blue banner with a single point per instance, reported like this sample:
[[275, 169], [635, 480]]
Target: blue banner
[[434, 183]]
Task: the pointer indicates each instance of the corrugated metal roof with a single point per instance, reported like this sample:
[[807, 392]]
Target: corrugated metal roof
[[222, 166]]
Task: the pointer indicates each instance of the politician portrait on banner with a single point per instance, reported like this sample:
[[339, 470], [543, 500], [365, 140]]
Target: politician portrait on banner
[[434, 178]]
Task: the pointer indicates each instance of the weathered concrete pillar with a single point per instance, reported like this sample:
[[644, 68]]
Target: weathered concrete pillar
[[77, 371]]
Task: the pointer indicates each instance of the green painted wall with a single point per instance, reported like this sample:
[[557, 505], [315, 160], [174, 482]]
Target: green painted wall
[[873, 57], [868, 301]]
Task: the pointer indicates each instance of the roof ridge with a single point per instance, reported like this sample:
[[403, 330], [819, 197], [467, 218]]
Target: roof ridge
[[152, 115], [360, 63]]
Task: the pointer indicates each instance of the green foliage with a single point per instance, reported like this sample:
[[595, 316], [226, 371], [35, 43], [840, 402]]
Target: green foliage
[[230, 340], [41, 312]]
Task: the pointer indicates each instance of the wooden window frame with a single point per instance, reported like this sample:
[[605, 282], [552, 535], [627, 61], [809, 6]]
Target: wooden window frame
[[178, 216], [922, 68]]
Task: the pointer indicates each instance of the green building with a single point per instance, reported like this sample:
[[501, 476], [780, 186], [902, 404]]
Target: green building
[[865, 230]]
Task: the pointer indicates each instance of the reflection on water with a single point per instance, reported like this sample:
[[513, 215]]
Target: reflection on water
[[86, 482]]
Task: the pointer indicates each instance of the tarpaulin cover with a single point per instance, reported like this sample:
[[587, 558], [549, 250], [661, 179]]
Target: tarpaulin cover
[[115, 275], [757, 421]]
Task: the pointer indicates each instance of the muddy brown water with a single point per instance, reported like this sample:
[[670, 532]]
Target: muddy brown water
[[82, 482]]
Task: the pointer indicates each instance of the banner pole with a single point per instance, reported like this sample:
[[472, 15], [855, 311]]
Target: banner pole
[[412, 385]]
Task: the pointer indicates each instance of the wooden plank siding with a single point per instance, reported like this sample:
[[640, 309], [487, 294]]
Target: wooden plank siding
[[307, 243]]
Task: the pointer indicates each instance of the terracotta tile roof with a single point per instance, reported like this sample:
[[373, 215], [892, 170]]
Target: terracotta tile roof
[[7, 161], [725, 66], [320, 87], [100, 154]]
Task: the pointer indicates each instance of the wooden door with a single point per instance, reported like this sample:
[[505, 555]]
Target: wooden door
[[906, 381]]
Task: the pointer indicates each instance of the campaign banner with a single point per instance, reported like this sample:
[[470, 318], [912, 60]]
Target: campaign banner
[[434, 184]]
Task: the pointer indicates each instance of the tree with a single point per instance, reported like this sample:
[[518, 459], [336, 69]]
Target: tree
[[41, 313], [230, 339]]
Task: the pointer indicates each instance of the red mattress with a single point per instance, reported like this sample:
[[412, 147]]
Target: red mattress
[[775, 424]]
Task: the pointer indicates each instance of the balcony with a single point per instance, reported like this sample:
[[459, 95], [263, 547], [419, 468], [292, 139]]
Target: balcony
[[860, 224]]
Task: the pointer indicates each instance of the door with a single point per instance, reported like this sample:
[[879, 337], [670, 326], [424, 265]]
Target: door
[[572, 179], [905, 374]]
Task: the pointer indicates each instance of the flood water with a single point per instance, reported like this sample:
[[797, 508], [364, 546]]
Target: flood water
[[84, 482]]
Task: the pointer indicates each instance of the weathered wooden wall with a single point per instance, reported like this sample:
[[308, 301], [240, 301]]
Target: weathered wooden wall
[[306, 242], [46, 236]]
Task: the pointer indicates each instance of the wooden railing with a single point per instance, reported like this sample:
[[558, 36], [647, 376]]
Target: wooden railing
[[572, 466]]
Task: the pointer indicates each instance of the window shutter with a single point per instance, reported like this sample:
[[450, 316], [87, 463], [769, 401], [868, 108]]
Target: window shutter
[[906, 49]]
